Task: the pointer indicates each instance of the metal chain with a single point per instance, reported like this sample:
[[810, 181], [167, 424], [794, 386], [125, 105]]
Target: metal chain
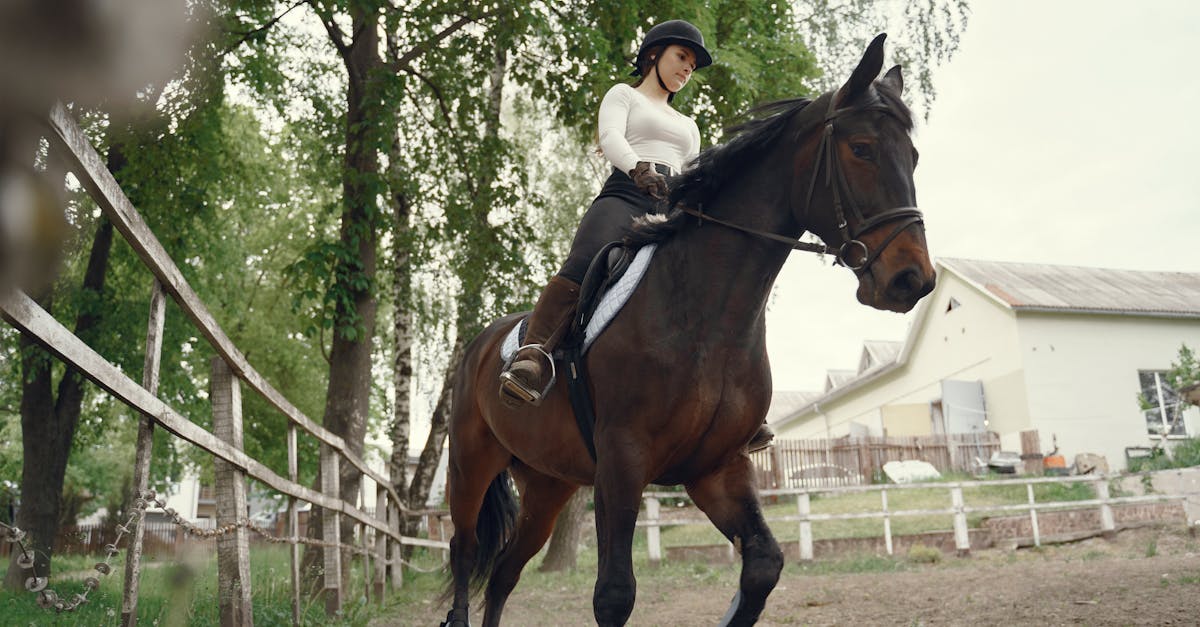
[[49, 599]]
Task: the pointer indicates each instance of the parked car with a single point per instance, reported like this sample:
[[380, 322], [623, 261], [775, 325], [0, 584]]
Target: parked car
[[1005, 462]]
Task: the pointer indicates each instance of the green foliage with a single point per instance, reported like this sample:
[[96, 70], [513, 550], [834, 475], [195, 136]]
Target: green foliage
[[1184, 454], [1185, 370]]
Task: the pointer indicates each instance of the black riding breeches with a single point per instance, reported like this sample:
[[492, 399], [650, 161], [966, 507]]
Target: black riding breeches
[[607, 220]]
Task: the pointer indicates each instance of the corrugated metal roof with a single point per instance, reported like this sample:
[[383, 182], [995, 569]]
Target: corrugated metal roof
[[786, 402], [1032, 286]]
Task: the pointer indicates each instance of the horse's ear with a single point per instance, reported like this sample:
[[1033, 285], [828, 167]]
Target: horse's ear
[[868, 68], [894, 79]]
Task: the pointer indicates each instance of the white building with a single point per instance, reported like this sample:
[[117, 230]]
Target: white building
[[1074, 353]]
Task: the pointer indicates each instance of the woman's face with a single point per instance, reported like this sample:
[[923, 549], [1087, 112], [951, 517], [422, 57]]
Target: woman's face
[[676, 66]]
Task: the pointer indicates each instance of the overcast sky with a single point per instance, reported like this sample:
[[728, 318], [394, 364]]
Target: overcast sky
[[1065, 132]]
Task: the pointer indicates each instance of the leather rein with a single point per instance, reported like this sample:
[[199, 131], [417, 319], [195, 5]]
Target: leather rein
[[836, 180]]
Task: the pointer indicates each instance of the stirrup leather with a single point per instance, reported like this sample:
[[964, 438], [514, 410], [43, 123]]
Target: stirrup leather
[[516, 387]]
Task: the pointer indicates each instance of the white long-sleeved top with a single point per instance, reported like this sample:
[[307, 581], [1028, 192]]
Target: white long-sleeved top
[[632, 129]]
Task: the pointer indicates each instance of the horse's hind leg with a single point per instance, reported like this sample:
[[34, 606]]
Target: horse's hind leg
[[542, 498], [728, 498], [476, 486]]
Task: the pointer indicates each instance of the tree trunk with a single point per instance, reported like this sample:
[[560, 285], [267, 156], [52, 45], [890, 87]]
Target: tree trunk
[[564, 543], [431, 455], [402, 317], [48, 424], [347, 397]]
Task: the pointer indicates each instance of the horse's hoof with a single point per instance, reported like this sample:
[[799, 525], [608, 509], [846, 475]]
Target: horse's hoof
[[456, 618]]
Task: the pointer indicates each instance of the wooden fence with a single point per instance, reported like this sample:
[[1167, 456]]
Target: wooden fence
[[230, 372], [958, 509], [828, 463]]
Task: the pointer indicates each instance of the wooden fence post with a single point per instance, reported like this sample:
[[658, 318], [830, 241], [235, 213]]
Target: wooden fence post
[[381, 542], [887, 521], [141, 464], [962, 539], [653, 533], [776, 467], [803, 505], [294, 526], [1107, 524], [1033, 521], [332, 531], [233, 548], [396, 551]]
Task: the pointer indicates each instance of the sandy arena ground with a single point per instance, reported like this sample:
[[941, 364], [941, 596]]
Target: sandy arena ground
[[1143, 577]]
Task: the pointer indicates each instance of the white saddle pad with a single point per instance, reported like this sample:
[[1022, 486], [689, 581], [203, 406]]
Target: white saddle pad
[[610, 303]]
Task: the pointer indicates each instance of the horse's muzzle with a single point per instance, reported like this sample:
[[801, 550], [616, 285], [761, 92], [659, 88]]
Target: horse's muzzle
[[908, 286]]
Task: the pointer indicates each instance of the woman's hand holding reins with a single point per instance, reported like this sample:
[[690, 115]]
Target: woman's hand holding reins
[[648, 180]]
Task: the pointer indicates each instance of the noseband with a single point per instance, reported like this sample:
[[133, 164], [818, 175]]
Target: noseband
[[835, 179]]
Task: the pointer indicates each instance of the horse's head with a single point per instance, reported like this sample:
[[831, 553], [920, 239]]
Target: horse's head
[[859, 196]]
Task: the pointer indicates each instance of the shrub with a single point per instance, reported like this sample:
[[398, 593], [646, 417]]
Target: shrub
[[1184, 454], [924, 554]]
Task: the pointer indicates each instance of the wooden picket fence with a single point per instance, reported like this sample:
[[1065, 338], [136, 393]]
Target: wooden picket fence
[[848, 461], [377, 536]]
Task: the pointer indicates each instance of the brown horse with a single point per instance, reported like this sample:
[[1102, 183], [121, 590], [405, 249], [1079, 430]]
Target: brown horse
[[681, 379]]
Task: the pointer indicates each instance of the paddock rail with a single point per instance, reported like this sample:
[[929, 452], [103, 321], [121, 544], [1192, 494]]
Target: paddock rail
[[804, 517], [230, 370]]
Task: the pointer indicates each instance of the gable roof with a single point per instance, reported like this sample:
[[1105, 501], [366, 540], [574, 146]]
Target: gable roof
[[837, 378], [876, 353], [1076, 289]]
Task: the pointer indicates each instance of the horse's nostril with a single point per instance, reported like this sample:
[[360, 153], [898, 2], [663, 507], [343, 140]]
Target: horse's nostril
[[905, 283]]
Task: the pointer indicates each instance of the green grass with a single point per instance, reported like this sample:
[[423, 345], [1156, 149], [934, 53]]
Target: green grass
[[181, 593], [914, 499]]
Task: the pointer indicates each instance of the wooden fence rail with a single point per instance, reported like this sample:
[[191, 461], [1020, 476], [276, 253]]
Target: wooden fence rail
[[828, 463], [230, 371], [804, 517]]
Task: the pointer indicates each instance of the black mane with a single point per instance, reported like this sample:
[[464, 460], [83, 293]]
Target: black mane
[[712, 168]]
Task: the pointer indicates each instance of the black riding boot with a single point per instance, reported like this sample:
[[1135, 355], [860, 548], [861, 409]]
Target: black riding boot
[[524, 381]]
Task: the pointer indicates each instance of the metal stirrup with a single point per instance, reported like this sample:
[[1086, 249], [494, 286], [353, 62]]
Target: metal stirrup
[[542, 351]]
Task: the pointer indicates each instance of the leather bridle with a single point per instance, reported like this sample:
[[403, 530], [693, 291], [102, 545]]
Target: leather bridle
[[835, 179]]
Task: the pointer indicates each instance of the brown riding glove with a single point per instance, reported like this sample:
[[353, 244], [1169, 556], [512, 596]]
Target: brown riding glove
[[649, 180]]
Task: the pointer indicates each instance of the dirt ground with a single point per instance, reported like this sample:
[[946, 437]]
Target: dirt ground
[[1142, 577]]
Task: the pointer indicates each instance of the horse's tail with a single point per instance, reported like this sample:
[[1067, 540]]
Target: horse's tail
[[493, 529]]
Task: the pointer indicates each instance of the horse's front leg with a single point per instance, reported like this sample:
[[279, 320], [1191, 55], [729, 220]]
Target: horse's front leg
[[618, 496], [729, 499]]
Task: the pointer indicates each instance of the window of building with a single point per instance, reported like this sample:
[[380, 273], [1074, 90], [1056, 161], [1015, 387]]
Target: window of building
[[1161, 405]]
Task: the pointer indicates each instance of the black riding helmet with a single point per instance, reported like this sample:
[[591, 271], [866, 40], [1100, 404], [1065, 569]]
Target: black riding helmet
[[673, 32]]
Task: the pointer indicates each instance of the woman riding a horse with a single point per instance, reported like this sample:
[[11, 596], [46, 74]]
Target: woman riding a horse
[[645, 140], [681, 380]]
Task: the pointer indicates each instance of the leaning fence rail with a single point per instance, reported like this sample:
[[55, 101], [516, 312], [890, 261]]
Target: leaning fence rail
[[230, 370], [804, 517]]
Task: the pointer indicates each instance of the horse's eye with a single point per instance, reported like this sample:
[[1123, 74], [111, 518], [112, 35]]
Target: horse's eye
[[862, 151]]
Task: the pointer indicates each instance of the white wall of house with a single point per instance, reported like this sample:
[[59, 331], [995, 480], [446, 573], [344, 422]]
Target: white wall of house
[[975, 341], [1073, 375], [1082, 377]]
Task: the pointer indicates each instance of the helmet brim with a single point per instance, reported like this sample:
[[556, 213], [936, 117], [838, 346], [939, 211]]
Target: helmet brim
[[703, 58]]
